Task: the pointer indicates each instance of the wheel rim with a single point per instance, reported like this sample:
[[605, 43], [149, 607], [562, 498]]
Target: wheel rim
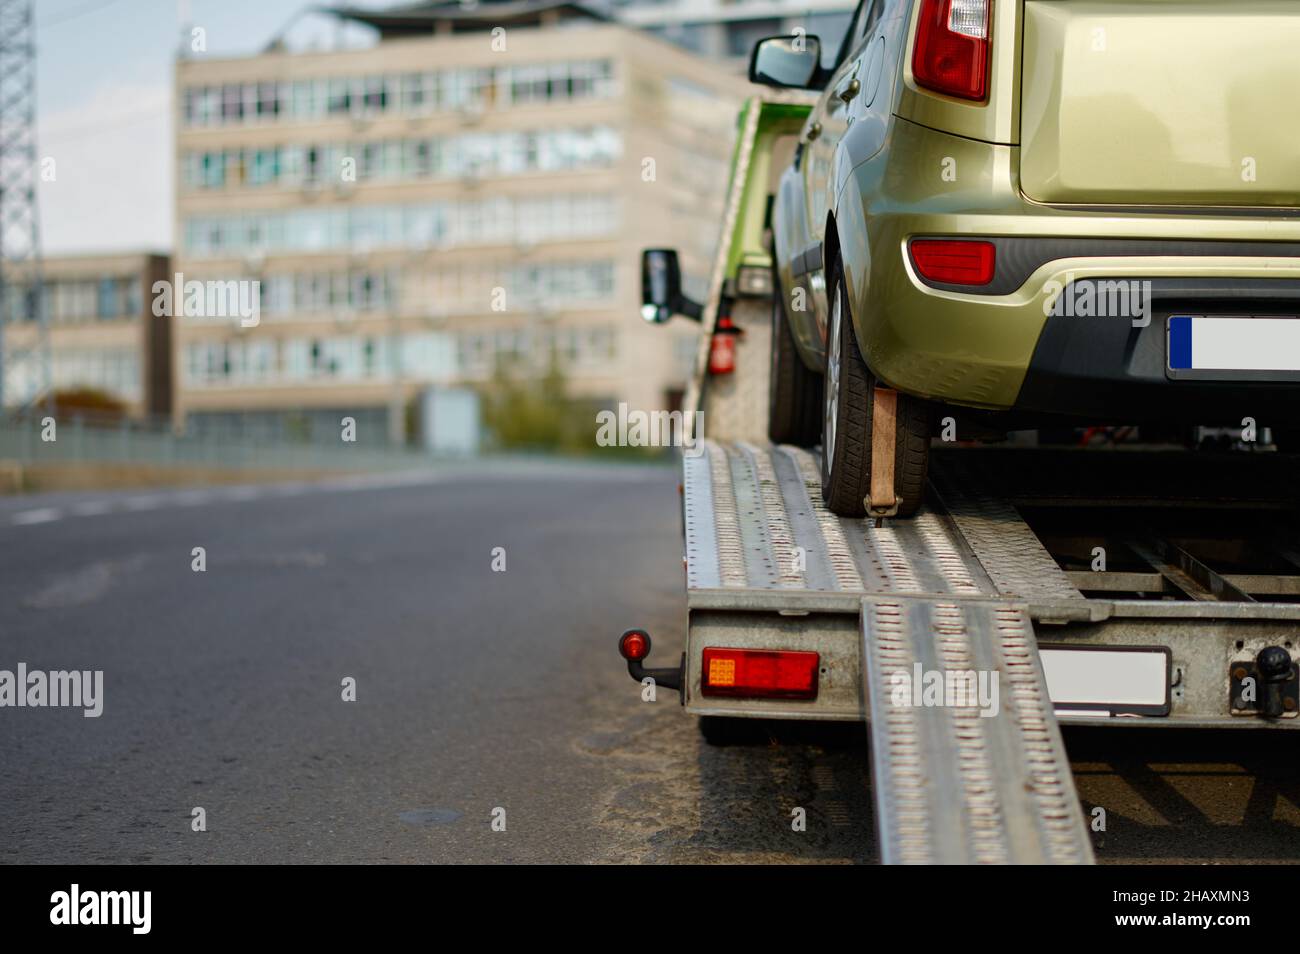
[[831, 402]]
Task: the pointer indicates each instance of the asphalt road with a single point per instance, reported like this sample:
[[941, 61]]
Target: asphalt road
[[476, 691]]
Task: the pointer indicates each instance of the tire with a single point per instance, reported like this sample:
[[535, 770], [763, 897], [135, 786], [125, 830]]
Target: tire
[[794, 393], [847, 407]]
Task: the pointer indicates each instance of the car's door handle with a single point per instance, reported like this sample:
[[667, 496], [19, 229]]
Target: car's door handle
[[814, 131], [849, 90]]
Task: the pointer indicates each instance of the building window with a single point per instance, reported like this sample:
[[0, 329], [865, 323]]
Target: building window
[[375, 95], [304, 102], [493, 220], [109, 304], [268, 100], [265, 167], [417, 93], [232, 103], [413, 93], [340, 97]]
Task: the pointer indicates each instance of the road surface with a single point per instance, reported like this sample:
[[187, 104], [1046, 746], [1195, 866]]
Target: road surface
[[481, 695]]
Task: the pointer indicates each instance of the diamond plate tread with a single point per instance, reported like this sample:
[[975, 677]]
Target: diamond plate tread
[[729, 550], [755, 520], [700, 521], [951, 785], [1012, 556]]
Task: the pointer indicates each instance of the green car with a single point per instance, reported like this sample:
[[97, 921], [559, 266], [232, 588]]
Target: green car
[[1010, 213]]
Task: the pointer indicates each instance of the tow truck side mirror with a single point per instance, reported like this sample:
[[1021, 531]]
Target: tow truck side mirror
[[661, 288], [791, 61]]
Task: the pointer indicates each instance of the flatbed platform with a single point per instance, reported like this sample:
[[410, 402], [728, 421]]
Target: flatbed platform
[[999, 567], [1211, 575], [758, 537]]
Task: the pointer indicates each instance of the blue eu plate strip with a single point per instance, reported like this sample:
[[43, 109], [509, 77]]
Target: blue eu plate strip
[[1180, 341]]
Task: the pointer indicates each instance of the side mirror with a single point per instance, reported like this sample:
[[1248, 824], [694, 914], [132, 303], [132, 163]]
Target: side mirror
[[792, 61], [661, 287]]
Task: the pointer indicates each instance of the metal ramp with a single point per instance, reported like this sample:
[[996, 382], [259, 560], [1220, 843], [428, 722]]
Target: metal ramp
[[953, 591], [965, 782]]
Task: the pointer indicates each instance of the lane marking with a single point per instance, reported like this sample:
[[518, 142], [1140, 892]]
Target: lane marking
[[41, 515], [187, 498], [355, 482], [242, 493]]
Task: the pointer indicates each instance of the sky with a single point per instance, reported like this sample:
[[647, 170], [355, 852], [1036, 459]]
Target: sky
[[104, 91]]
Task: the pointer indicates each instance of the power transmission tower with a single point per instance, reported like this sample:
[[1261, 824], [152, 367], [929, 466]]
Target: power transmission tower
[[24, 326]]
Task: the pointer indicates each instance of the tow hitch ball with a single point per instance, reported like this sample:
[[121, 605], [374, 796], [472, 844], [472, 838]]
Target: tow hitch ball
[[634, 646], [1266, 685]]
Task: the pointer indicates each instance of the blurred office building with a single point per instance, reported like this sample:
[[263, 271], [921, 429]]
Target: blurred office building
[[108, 353], [471, 191], [728, 29]]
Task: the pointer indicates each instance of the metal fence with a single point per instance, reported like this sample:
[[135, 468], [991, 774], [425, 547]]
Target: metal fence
[[38, 438]]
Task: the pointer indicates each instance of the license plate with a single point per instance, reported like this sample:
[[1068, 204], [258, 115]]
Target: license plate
[[1107, 681], [1233, 346]]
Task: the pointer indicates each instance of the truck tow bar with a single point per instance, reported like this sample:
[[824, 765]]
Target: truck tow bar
[[634, 646]]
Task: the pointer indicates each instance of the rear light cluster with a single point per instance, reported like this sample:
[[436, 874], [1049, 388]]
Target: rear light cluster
[[954, 261], [759, 673], [952, 47]]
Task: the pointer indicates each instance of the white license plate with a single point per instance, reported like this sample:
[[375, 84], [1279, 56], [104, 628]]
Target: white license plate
[[1107, 681], [1233, 343]]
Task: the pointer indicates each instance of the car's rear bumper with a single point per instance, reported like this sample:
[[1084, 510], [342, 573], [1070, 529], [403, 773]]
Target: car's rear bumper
[[1031, 351], [999, 346]]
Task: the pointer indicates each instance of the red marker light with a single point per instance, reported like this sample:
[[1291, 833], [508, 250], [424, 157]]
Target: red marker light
[[722, 349], [634, 645]]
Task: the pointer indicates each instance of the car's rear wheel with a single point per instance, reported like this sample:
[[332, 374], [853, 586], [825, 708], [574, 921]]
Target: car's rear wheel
[[794, 393], [847, 408]]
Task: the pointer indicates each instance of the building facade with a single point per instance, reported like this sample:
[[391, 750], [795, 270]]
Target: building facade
[[454, 199], [103, 334], [728, 29]]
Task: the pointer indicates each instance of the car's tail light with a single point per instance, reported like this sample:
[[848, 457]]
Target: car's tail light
[[759, 673], [952, 47], [954, 261]]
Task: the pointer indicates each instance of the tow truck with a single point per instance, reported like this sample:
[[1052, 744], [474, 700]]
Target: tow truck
[[1120, 587]]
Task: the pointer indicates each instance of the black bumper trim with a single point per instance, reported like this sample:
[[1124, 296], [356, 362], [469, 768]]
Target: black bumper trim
[[1108, 371]]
